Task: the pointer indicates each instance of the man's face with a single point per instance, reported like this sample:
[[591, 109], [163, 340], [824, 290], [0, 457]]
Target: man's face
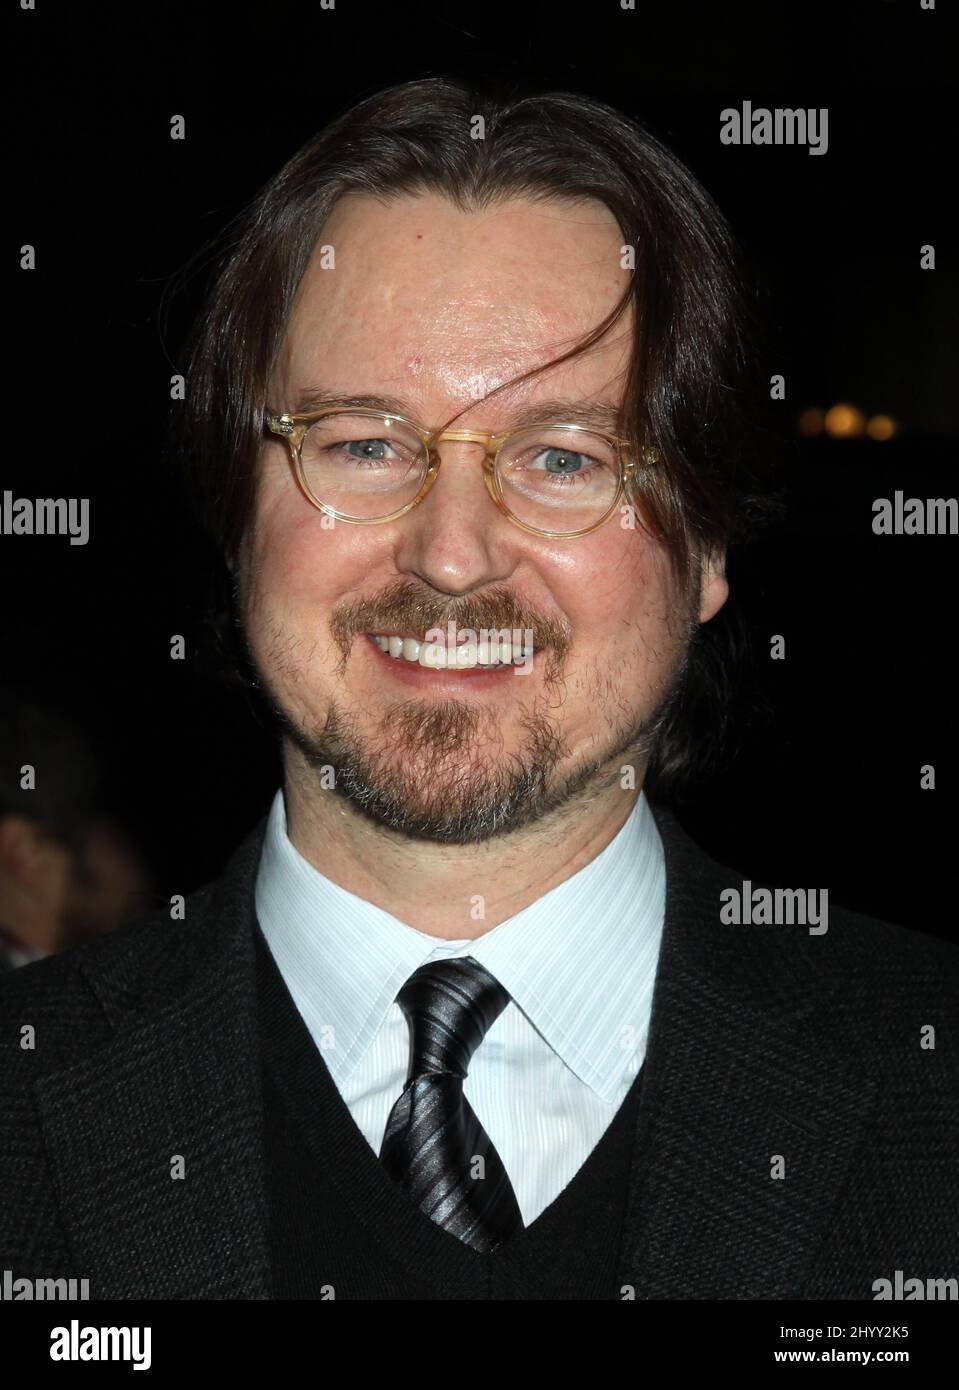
[[437, 307]]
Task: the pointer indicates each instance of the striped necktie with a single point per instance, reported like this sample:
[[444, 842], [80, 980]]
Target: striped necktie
[[434, 1146]]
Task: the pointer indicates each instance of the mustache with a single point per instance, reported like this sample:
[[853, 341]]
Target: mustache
[[404, 607]]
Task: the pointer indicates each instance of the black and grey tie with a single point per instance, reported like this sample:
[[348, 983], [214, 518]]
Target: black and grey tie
[[434, 1145]]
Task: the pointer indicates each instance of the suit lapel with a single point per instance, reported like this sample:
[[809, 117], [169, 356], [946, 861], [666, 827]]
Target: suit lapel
[[732, 1079], [176, 1089]]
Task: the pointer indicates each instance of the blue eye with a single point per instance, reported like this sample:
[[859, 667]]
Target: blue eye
[[366, 448], [570, 462]]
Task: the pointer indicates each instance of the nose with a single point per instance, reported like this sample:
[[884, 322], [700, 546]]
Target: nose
[[456, 538]]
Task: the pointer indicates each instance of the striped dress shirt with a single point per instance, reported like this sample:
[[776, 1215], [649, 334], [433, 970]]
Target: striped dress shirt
[[553, 1069]]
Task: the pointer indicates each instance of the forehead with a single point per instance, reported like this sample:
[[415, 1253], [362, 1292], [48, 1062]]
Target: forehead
[[438, 306]]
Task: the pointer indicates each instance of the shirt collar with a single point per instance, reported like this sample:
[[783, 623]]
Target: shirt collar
[[580, 961]]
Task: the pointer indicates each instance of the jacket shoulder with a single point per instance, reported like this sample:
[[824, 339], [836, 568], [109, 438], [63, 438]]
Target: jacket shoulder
[[83, 995], [861, 974], [57, 997]]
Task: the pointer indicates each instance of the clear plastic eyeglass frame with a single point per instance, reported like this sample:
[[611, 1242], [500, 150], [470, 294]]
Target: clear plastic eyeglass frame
[[293, 429]]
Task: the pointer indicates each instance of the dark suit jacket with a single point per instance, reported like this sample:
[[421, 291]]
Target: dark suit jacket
[[764, 1041]]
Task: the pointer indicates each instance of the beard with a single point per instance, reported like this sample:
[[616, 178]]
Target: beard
[[436, 770]]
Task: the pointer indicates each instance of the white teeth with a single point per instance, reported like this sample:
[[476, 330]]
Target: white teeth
[[434, 655]]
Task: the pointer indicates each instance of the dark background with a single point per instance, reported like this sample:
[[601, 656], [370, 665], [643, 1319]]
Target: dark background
[[825, 791]]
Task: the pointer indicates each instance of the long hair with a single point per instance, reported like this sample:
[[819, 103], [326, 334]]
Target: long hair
[[686, 389]]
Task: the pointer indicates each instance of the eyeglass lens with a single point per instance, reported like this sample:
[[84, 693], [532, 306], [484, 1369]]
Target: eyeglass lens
[[551, 478]]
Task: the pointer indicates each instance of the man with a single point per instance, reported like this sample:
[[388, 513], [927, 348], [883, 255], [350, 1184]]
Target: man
[[466, 1015]]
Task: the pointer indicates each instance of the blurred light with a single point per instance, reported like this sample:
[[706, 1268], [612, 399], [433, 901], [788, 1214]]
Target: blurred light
[[881, 427], [844, 421], [811, 421]]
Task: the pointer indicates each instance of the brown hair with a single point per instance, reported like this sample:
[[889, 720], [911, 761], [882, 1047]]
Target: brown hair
[[684, 391]]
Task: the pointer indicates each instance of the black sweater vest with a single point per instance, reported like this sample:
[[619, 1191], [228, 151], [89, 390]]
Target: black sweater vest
[[340, 1228]]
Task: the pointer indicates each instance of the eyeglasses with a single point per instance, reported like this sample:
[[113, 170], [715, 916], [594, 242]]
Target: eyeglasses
[[364, 467]]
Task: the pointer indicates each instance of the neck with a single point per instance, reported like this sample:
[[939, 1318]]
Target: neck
[[455, 892]]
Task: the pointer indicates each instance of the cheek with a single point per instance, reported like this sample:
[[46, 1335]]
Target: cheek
[[625, 592], [296, 571], [645, 632], [289, 551]]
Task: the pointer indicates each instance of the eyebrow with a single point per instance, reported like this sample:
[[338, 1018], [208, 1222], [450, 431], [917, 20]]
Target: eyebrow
[[603, 415]]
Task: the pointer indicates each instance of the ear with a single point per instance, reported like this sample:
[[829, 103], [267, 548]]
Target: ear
[[714, 588]]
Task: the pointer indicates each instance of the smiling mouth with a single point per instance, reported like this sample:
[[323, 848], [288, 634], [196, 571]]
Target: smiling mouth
[[481, 656]]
